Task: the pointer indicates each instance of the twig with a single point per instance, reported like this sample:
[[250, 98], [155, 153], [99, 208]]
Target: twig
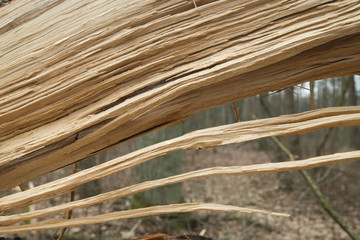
[[236, 111], [72, 198], [292, 91], [277, 91], [302, 87], [312, 95]]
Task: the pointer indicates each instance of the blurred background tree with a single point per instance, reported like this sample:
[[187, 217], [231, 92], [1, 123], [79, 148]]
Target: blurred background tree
[[161, 167]]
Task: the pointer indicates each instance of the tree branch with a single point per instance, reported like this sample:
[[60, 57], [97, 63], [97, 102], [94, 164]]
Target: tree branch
[[321, 198]]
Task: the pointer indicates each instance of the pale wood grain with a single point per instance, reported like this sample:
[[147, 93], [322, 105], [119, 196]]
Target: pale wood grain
[[108, 71], [134, 213], [80, 77]]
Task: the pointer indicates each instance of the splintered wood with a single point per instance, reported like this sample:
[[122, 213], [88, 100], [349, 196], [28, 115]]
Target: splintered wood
[[107, 71], [238, 132], [80, 77], [134, 213]]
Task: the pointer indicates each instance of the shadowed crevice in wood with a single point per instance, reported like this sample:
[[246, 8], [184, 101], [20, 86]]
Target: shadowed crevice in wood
[[51, 148], [131, 137]]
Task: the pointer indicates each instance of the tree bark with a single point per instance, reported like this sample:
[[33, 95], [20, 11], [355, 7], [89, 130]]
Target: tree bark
[[79, 77]]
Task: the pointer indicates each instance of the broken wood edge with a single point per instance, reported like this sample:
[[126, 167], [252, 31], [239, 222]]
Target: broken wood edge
[[57, 160], [233, 133], [207, 172], [134, 213]]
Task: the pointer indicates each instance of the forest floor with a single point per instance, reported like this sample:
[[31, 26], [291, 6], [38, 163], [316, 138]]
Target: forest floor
[[307, 221]]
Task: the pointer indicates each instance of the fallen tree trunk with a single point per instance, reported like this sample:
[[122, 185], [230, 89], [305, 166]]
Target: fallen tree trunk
[[78, 78]]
